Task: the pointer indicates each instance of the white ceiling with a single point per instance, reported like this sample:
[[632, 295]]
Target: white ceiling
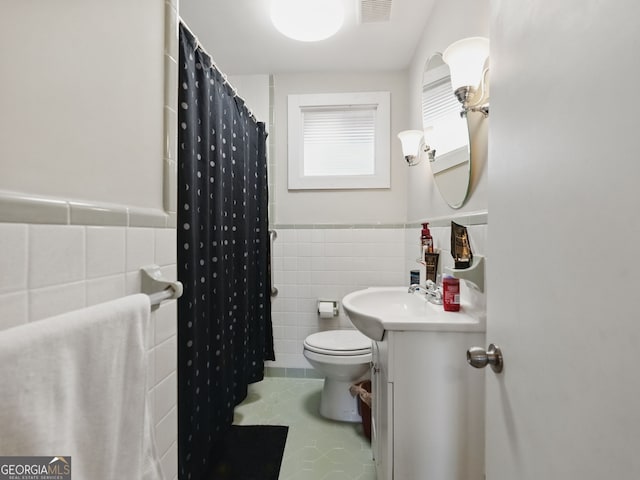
[[242, 40]]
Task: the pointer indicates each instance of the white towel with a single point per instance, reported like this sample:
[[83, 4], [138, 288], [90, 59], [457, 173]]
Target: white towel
[[75, 385]]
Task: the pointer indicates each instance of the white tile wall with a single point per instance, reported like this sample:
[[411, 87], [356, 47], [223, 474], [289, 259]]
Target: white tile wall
[[312, 264], [46, 270], [14, 308], [105, 288], [327, 263], [105, 251], [56, 254], [13, 257], [48, 301], [140, 247], [166, 397], [165, 250], [165, 360], [165, 430], [170, 461]]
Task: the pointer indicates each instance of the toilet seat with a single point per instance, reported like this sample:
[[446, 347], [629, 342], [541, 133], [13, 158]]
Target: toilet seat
[[338, 342]]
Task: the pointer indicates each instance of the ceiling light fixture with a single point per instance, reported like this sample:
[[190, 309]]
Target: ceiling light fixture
[[307, 20]]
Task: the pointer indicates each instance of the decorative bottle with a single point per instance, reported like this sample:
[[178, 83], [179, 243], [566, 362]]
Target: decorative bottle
[[426, 239]]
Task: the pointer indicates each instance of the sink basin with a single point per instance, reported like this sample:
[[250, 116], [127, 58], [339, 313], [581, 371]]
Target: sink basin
[[376, 309]]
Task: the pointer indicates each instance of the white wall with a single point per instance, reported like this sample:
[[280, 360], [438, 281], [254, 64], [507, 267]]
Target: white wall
[[340, 206], [255, 91], [84, 105], [81, 101], [324, 250], [449, 21], [312, 261]]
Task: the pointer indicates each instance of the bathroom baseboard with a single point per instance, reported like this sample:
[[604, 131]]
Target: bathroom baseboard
[[291, 372]]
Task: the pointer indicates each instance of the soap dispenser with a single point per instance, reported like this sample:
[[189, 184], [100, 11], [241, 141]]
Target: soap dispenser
[[426, 239]]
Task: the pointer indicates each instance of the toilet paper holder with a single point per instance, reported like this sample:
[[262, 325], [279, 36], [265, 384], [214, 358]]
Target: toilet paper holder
[[327, 306]]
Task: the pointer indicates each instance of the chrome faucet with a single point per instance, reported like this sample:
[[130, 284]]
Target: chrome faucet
[[414, 287], [432, 292]]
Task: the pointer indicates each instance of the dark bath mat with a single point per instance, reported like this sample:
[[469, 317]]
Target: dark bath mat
[[250, 452]]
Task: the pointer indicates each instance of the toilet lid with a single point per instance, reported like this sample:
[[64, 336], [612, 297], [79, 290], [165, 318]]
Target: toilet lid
[[338, 342]]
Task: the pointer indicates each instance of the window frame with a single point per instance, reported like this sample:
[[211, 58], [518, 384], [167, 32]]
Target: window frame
[[380, 179]]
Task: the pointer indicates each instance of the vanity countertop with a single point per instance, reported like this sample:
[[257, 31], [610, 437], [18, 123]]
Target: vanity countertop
[[376, 309]]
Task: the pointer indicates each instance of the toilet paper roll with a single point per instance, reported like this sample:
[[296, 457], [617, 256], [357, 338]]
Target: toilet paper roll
[[325, 309]]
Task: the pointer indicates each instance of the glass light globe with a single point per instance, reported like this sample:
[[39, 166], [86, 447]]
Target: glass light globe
[[307, 20], [410, 140], [466, 59]]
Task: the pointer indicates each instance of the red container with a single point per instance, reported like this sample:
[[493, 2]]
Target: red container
[[451, 294]]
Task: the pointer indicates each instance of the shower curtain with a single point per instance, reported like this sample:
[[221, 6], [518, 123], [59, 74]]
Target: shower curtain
[[224, 315]]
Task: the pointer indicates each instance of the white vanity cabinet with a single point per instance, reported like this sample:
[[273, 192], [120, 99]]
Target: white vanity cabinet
[[428, 406]]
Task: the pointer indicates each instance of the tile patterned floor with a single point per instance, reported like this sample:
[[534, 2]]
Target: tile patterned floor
[[317, 448]]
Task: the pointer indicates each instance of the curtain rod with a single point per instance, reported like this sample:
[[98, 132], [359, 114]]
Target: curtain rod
[[213, 65]]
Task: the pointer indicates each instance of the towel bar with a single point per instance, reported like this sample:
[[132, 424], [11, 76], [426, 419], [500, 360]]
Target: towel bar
[[158, 288]]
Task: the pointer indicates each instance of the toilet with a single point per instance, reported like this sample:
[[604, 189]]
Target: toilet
[[342, 357]]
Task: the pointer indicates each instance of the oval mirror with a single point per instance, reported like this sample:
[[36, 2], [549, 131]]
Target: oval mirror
[[446, 132]]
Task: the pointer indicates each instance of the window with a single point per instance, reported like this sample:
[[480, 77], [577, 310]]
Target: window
[[339, 141]]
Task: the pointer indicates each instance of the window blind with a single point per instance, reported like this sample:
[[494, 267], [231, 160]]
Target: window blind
[[438, 101], [339, 140], [441, 112]]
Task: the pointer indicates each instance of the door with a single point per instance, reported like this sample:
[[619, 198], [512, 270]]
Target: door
[[564, 236]]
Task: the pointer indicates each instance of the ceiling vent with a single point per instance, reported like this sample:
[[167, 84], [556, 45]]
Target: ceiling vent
[[372, 11]]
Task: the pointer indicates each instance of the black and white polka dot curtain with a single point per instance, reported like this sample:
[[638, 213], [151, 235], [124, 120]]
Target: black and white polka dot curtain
[[224, 315]]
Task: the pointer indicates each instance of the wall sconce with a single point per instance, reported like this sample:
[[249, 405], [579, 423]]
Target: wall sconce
[[413, 145], [466, 59]]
